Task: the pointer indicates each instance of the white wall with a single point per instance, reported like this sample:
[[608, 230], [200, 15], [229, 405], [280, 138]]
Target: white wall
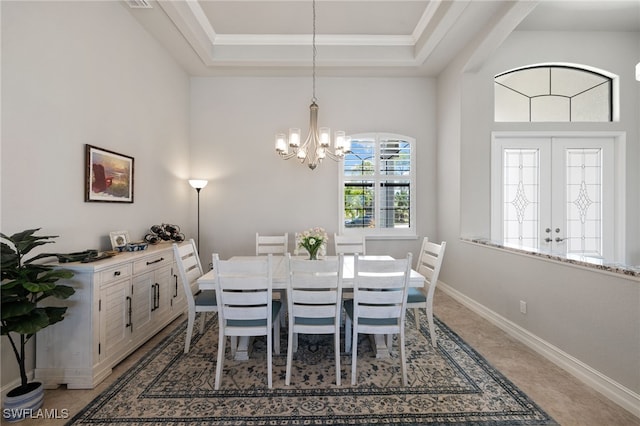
[[234, 122], [76, 73], [588, 315]]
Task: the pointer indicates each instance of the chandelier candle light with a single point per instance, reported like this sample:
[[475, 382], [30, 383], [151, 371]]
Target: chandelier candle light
[[317, 146]]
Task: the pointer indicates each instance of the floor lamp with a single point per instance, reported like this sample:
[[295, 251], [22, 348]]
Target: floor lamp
[[198, 184]]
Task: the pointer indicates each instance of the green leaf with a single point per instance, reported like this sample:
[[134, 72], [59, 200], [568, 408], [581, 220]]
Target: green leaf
[[55, 314], [28, 324], [16, 309], [38, 287]]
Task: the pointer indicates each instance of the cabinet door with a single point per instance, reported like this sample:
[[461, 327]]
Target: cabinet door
[[115, 329], [143, 295], [163, 293]]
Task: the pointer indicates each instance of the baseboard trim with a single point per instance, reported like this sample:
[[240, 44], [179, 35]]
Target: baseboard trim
[[611, 389]]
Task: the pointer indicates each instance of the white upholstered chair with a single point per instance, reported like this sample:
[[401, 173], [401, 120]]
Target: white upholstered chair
[[190, 269], [314, 299], [378, 305], [272, 244], [429, 263], [244, 290], [350, 244]]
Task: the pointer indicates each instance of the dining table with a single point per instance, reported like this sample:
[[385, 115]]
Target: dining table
[[279, 280]]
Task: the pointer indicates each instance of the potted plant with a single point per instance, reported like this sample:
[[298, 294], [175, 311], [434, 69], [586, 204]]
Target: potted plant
[[25, 284]]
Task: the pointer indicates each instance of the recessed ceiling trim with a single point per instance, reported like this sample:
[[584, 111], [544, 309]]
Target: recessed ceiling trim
[[188, 21], [305, 39], [139, 4], [447, 14]]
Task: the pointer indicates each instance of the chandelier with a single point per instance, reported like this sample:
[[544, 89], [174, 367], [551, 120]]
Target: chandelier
[[317, 146]]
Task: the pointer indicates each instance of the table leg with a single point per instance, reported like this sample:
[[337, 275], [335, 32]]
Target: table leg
[[379, 344], [242, 350]]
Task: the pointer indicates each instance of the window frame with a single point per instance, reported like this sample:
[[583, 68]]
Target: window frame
[[376, 232]]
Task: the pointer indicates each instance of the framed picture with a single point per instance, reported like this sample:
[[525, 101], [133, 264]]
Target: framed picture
[[108, 176], [119, 239]]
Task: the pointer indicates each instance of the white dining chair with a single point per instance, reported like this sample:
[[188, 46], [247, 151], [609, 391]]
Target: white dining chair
[[272, 244], [244, 290], [189, 270], [429, 263], [314, 302], [276, 245], [378, 305], [350, 244]]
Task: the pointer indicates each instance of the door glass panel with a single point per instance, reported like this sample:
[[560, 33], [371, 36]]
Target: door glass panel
[[521, 197], [584, 202]]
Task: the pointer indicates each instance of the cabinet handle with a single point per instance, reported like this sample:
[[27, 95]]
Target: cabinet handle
[[158, 293], [153, 305], [129, 324], [116, 273], [155, 261], [175, 292]]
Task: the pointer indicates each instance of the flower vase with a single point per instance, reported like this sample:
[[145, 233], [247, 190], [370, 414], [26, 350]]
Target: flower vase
[[313, 253]]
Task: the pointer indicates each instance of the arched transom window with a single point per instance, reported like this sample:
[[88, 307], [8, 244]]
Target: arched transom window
[[558, 93]]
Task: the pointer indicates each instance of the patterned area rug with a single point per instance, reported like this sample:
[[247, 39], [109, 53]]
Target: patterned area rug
[[450, 384]]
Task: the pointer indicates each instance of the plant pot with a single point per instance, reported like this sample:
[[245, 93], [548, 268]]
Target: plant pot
[[22, 402]]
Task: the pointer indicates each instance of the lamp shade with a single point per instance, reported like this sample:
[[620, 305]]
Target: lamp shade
[[198, 183]]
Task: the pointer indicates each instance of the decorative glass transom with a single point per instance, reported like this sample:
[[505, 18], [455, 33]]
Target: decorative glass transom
[[556, 93]]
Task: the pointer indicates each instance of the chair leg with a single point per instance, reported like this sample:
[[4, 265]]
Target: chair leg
[[354, 356], [403, 359], [336, 344], [432, 328], [221, 343], [269, 359], [203, 316], [289, 355], [190, 321], [416, 314]]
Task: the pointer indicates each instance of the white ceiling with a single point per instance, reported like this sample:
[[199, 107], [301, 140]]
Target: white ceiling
[[362, 37]]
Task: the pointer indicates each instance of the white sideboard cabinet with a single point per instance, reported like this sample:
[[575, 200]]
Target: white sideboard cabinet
[[119, 304]]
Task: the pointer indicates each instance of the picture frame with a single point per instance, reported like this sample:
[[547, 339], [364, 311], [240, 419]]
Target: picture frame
[[108, 176], [119, 239]]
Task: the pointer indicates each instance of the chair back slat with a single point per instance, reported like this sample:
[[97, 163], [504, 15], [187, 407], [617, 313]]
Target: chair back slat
[[349, 244], [314, 311], [271, 244], [251, 313]]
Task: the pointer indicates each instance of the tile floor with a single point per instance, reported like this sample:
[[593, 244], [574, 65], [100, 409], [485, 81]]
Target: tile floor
[[561, 395]]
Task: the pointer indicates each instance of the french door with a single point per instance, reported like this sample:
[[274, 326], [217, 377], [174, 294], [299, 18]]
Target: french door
[[555, 194]]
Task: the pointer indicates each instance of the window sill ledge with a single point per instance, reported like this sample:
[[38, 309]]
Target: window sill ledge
[[630, 272]]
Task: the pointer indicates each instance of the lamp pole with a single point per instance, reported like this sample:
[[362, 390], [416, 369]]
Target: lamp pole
[[198, 184]]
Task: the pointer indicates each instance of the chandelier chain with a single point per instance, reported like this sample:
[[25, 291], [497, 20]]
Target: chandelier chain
[[313, 43]]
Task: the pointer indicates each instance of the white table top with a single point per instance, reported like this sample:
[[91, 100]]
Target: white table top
[[207, 281]]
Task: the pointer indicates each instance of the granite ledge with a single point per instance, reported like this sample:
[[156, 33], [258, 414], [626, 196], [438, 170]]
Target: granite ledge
[[593, 263]]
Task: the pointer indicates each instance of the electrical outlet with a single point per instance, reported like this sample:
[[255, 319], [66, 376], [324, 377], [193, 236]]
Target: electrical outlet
[[523, 307]]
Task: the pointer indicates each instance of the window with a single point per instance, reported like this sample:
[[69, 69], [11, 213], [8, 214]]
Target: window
[[556, 193], [377, 186], [558, 93]]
